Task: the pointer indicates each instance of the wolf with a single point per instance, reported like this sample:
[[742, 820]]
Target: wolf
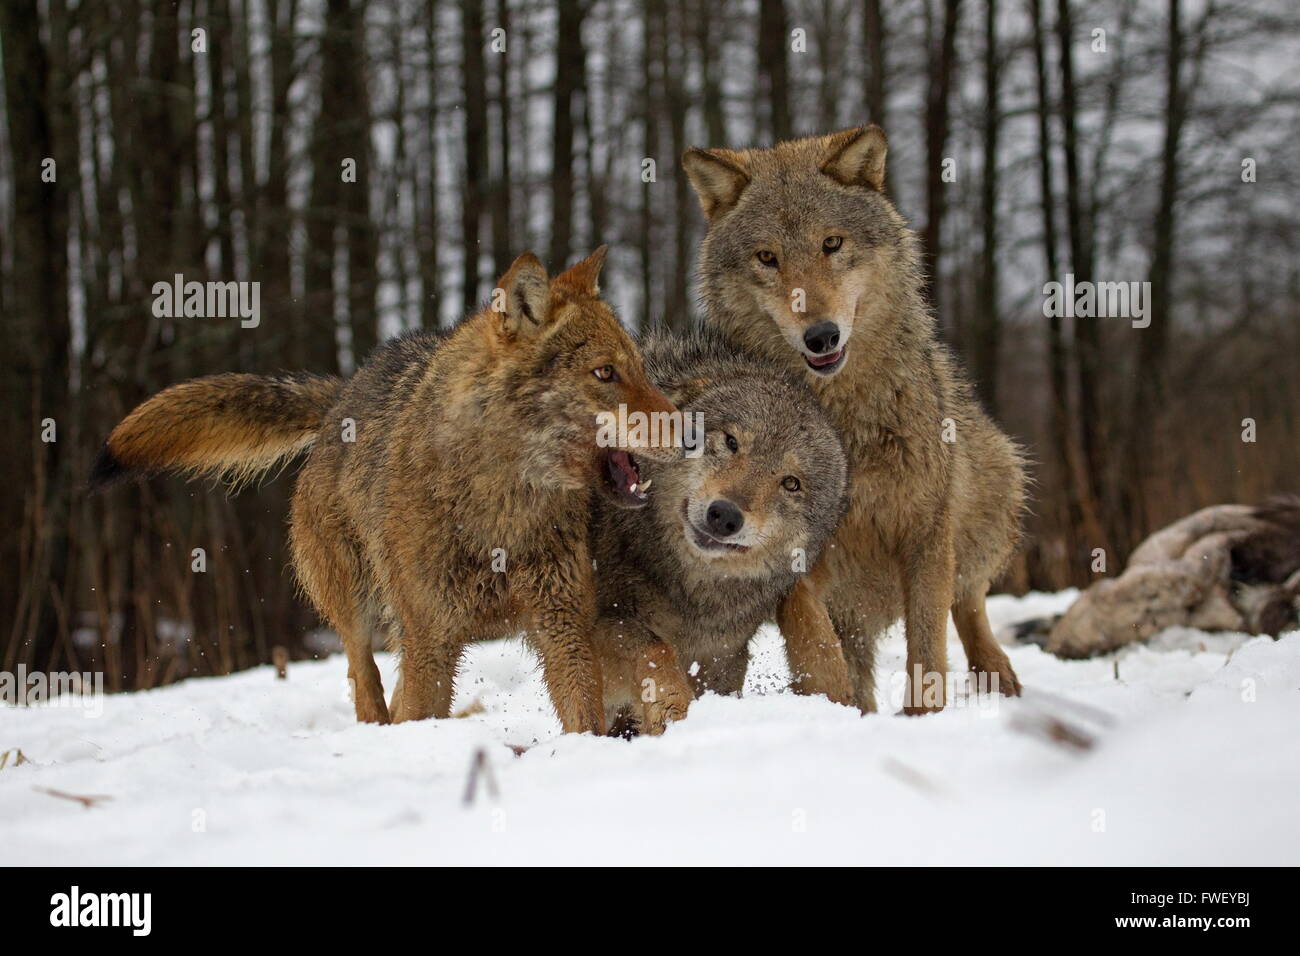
[[806, 261], [446, 494], [683, 584]]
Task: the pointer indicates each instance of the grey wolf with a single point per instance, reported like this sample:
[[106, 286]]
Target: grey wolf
[[446, 495], [807, 262], [683, 584]]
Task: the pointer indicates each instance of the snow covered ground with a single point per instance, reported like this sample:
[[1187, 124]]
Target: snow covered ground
[[1194, 759]]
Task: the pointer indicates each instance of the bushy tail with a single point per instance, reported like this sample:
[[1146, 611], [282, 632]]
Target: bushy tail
[[231, 426]]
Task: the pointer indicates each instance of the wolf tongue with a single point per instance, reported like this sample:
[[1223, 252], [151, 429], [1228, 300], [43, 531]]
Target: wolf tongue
[[825, 359], [627, 474]]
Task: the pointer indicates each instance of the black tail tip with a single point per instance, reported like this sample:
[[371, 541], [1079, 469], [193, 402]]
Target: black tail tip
[[107, 471]]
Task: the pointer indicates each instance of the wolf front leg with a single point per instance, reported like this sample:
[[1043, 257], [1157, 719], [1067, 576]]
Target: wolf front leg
[[644, 682], [663, 691], [817, 664], [927, 567], [562, 605]]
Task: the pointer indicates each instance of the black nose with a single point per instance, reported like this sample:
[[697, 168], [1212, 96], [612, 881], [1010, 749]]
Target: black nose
[[724, 519], [822, 338]]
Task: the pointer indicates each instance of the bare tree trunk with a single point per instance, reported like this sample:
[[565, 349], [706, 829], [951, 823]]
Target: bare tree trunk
[[429, 229], [34, 366], [1149, 389], [710, 26], [244, 106], [596, 177], [502, 253], [773, 67], [219, 123], [943, 59], [570, 75], [317, 348], [873, 25], [1087, 333], [1057, 368], [403, 177], [354, 139], [829, 62], [270, 258], [987, 330], [677, 309], [651, 75], [612, 132], [341, 134], [524, 205], [475, 79]]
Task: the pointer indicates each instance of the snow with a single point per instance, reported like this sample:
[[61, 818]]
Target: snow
[[1194, 760]]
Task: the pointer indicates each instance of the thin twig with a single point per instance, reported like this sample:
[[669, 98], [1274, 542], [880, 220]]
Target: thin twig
[[86, 800], [480, 768]]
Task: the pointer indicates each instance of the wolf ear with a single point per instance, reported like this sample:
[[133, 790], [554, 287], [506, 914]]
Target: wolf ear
[[719, 177], [523, 296], [584, 276], [856, 157]]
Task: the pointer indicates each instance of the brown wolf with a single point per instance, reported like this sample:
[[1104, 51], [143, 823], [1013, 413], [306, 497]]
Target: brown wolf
[[806, 261], [447, 492], [685, 582]]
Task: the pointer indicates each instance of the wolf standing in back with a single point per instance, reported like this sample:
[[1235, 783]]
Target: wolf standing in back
[[806, 261], [446, 496]]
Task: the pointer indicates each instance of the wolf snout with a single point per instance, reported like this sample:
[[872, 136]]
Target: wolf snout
[[822, 338], [723, 519]]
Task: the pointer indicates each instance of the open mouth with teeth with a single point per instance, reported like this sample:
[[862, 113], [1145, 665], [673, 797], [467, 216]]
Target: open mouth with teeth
[[826, 364], [623, 478], [705, 541]]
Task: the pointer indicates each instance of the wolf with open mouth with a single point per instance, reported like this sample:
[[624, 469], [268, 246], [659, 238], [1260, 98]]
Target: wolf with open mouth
[[683, 584], [445, 495]]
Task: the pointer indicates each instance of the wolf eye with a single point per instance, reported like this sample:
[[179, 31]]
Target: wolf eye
[[790, 483], [831, 243], [767, 257], [605, 373], [733, 446]]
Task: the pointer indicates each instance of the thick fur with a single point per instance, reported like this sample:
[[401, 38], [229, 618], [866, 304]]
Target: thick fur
[[930, 522], [447, 493], [671, 602], [230, 426]]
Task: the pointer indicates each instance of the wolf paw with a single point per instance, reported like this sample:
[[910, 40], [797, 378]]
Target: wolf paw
[[999, 667], [665, 691], [372, 712], [665, 696], [920, 710], [670, 705]]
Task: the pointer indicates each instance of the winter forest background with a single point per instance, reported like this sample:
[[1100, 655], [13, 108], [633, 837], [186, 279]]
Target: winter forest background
[[1160, 149]]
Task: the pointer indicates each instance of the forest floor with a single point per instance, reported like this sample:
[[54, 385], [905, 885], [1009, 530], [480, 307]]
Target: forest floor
[[1183, 751]]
